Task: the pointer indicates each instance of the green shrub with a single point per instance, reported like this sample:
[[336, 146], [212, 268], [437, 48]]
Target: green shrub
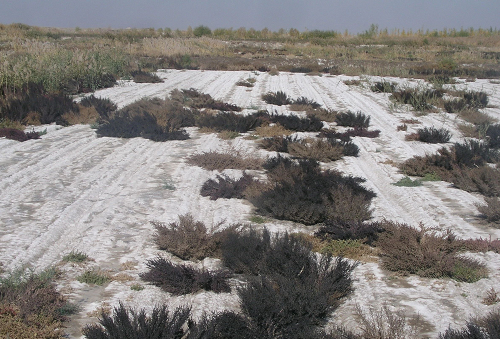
[[407, 182], [201, 31], [75, 256], [420, 100], [94, 277], [383, 87]]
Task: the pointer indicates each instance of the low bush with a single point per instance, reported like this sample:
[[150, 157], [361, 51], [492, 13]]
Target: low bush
[[351, 132], [303, 101], [322, 114], [484, 180], [350, 119], [30, 305], [490, 211], [18, 135], [94, 277], [75, 256], [493, 136], [34, 106], [228, 121], [249, 82], [301, 192], [145, 77], [276, 144], [277, 98], [426, 253], [297, 124], [319, 150], [189, 239], [220, 161], [225, 187], [352, 249], [433, 135], [195, 99], [486, 327], [385, 324], [183, 279], [127, 323], [383, 87], [105, 107], [349, 230], [473, 153], [420, 100], [223, 325], [273, 130], [407, 182], [123, 125]]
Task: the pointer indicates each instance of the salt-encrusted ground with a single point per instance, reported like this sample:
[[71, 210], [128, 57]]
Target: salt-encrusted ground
[[74, 191]]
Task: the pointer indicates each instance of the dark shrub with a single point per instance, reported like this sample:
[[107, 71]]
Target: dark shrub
[[358, 132], [493, 136], [292, 306], [224, 325], [349, 149], [487, 327], [201, 31], [476, 99], [306, 102], [219, 161], [190, 239], [34, 106], [276, 144], [229, 121], [295, 123], [15, 134], [145, 77], [183, 279], [383, 87], [122, 125], [301, 192], [346, 230], [88, 82], [103, 106], [473, 153], [455, 105], [276, 98], [483, 179], [425, 253], [301, 69], [351, 119], [126, 323], [225, 187], [433, 135], [319, 150]]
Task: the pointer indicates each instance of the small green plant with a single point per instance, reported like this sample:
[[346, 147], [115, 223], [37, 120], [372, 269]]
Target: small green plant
[[75, 256], [136, 287], [168, 185], [94, 277], [257, 219], [407, 182], [431, 177]]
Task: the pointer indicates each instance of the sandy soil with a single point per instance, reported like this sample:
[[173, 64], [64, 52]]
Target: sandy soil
[[74, 191]]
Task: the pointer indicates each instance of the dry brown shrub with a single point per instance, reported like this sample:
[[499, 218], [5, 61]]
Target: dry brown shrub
[[469, 131], [316, 149], [491, 297], [490, 211], [348, 206], [410, 121], [402, 127], [385, 324], [33, 118], [482, 179], [352, 82], [270, 131], [86, 115], [412, 137], [427, 253], [190, 239], [323, 114], [476, 117], [122, 277], [219, 161]]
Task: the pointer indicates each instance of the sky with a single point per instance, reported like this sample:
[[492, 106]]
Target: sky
[[353, 15]]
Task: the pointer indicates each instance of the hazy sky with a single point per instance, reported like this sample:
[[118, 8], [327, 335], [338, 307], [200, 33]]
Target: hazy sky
[[354, 15]]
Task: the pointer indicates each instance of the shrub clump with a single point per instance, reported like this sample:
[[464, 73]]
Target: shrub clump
[[295, 123], [228, 121], [30, 305], [350, 230], [105, 107], [195, 99], [301, 192], [426, 253], [225, 187], [145, 77], [486, 327], [490, 211], [420, 100], [183, 279], [220, 161], [294, 291], [128, 323], [351, 119], [383, 87], [277, 98], [190, 239], [18, 135], [433, 135]]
